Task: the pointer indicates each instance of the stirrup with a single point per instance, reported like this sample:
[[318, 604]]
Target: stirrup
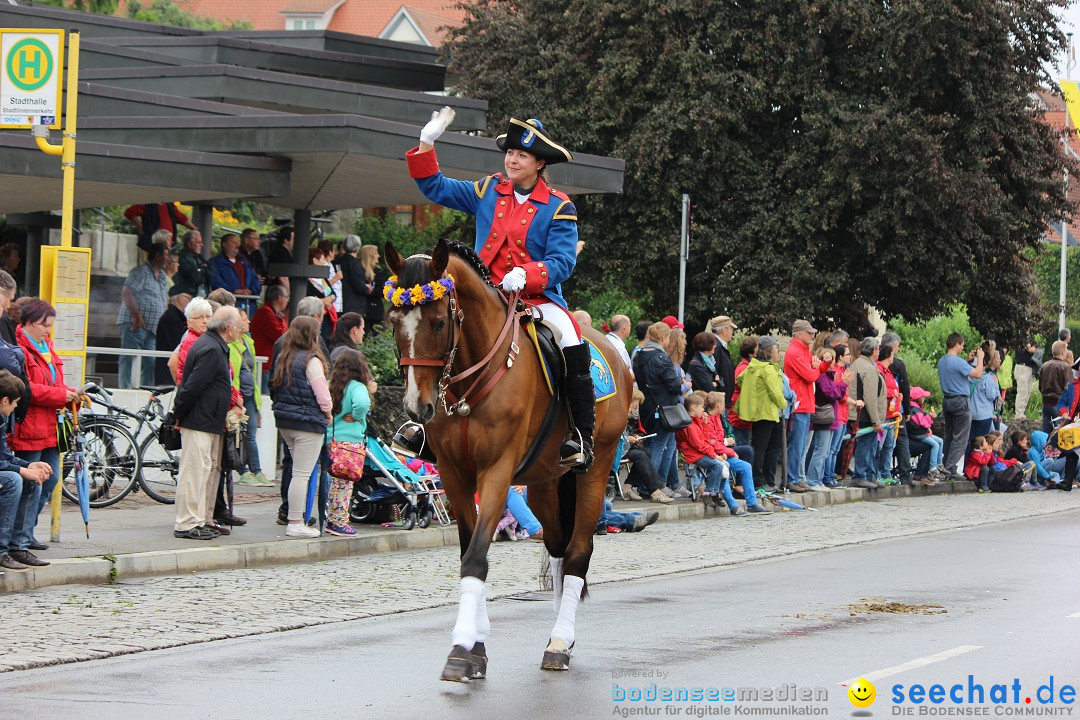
[[575, 455]]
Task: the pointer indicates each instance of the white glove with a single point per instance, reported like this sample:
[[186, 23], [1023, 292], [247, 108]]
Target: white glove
[[514, 280], [440, 120]]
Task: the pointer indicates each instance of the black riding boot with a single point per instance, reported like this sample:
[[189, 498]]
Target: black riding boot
[[576, 452]]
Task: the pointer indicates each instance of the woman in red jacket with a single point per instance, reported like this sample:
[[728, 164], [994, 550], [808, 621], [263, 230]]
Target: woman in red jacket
[[34, 438]]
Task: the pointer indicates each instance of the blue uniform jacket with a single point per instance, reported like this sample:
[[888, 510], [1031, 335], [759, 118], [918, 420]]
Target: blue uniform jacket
[[539, 235]]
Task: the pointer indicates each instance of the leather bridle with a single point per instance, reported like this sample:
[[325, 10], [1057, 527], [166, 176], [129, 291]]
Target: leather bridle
[[458, 404]]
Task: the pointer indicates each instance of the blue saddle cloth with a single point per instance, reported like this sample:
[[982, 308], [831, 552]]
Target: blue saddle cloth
[[603, 380]]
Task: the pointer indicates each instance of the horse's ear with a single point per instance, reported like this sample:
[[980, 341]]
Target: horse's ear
[[393, 260], [440, 256]]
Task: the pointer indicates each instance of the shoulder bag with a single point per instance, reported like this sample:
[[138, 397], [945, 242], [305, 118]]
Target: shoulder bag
[[234, 455], [169, 434], [673, 417], [347, 459]]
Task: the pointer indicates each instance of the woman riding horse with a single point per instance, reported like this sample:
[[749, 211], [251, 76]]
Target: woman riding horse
[[526, 233], [458, 338]]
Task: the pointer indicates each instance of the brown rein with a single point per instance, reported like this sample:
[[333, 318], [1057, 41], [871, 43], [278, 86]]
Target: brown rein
[[458, 405]]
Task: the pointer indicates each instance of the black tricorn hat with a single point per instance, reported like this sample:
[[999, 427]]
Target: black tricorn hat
[[529, 136]]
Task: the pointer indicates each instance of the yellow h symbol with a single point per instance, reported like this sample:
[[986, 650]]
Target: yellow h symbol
[[29, 59]]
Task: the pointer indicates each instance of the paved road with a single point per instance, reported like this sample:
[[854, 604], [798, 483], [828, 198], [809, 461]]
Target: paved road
[[1004, 593]]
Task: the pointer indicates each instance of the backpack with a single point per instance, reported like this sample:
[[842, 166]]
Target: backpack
[[13, 360], [1008, 480]]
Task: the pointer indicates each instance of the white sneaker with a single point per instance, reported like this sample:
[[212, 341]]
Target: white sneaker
[[682, 493], [301, 530]]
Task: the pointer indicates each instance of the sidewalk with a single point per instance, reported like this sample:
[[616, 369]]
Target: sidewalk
[[134, 538]]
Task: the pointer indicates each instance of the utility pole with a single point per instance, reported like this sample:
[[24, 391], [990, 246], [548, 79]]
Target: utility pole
[[684, 254], [1070, 62]]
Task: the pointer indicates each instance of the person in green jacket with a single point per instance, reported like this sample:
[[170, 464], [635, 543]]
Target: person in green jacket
[[761, 400], [242, 361], [351, 390]]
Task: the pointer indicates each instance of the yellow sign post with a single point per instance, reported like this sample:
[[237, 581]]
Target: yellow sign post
[[31, 73]]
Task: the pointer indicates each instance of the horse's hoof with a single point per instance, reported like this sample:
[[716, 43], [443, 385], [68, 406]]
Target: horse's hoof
[[479, 661], [557, 655], [555, 661], [459, 666]]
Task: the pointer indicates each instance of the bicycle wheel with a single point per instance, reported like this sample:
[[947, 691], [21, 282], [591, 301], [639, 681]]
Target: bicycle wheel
[[158, 469], [111, 458]]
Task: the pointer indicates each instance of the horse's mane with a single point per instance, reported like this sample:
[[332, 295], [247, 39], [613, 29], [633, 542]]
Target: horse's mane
[[473, 260], [417, 269]]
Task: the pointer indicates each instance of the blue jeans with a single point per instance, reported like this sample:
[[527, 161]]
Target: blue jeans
[[980, 427], [42, 494], [254, 464], [623, 521], [661, 449], [141, 339], [839, 434], [800, 428], [11, 500], [885, 454], [817, 456], [866, 454], [741, 435], [518, 505]]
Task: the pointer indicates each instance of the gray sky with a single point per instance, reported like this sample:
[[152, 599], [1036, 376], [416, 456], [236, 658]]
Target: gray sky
[[1070, 22]]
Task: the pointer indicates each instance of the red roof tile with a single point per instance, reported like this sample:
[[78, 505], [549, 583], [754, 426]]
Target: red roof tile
[[357, 17], [309, 6]]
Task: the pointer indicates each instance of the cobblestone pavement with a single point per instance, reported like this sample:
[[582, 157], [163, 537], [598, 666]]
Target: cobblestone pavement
[[73, 623]]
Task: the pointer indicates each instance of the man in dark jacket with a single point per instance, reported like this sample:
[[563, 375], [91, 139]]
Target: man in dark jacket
[[170, 331], [7, 296], [193, 273], [1054, 376], [354, 285], [204, 398], [724, 328], [899, 372]]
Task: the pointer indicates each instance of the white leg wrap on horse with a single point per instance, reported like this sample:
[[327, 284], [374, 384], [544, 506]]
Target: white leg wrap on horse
[[571, 596], [464, 634], [556, 582], [483, 625]]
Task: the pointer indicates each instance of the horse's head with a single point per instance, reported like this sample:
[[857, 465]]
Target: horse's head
[[423, 327]]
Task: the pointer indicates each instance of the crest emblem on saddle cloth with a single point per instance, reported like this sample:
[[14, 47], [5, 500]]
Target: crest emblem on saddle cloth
[[603, 380]]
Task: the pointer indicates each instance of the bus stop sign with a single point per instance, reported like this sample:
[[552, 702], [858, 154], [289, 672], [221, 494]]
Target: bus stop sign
[[31, 72]]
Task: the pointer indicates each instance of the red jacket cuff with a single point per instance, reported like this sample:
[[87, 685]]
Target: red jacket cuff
[[536, 278], [422, 165]]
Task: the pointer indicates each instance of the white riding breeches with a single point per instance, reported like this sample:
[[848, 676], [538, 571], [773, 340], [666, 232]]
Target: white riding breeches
[[560, 318]]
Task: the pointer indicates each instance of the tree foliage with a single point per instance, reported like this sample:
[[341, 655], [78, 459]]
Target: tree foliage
[[838, 153], [163, 12]]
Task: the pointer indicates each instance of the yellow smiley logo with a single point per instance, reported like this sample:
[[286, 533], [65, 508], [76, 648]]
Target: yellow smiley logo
[[862, 693]]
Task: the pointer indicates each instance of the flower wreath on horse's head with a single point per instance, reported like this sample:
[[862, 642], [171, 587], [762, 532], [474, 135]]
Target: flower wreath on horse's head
[[417, 294]]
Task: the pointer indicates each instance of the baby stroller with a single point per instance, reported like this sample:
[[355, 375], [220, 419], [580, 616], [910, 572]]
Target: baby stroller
[[387, 483]]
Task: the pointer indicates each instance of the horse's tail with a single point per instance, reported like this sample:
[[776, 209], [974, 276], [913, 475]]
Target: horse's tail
[[568, 514]]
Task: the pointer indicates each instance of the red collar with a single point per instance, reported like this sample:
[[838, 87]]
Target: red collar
[[541, 193]]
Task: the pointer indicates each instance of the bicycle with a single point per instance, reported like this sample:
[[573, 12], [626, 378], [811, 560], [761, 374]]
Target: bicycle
[[110, 456], [157, 467]]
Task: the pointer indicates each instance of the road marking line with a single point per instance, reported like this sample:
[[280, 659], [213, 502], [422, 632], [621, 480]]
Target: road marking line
[[913, 664], [1075, 614]]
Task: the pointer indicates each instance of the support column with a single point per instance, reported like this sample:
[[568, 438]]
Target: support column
[[203, 217], [298, 283]]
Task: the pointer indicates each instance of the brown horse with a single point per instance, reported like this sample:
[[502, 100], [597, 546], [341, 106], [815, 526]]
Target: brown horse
[[464, 348]]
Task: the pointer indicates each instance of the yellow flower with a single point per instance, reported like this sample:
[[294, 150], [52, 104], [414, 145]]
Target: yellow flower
[[438, 290], [417, 294], [397, 297]]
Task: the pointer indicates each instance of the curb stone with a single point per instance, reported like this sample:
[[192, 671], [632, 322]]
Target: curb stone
[[101, 570]]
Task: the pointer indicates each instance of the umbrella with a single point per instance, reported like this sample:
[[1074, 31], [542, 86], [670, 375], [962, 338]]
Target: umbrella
[[784, 502], [82, 480], [313, 487]]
